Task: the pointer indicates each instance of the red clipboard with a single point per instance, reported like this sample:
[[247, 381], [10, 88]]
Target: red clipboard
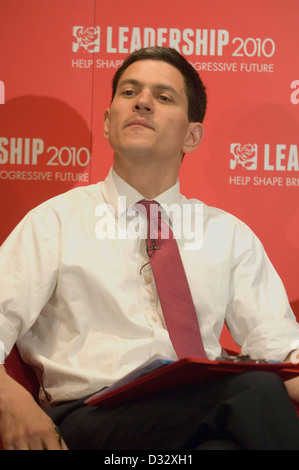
[[182, 372]]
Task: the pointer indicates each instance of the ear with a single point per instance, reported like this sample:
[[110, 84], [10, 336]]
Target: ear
[[194, 137], [106, 123]]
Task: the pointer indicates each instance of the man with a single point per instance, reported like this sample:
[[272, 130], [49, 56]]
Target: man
[[83, 306]]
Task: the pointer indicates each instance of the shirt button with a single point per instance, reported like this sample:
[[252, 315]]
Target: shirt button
[[148, 280]]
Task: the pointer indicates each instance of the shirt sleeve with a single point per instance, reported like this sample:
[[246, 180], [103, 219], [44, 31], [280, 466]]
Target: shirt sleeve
[[259, 315], [28, 272]]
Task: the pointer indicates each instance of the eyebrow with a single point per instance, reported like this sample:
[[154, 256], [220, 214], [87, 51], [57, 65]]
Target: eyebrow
[[157, 86]]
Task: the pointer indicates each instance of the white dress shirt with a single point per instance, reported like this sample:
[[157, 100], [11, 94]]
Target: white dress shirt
[[83, 306]]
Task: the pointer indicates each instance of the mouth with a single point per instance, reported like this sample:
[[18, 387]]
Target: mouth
[[140, 123]]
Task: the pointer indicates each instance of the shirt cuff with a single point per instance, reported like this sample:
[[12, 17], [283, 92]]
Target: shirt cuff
[[8, 335], [273, 340]]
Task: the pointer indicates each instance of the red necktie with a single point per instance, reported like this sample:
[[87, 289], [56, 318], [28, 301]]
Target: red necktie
[[172, 285]]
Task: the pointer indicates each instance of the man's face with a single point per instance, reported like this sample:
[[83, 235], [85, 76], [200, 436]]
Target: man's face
[[148, 117]]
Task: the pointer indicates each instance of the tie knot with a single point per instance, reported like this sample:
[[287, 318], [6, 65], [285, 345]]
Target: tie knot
[[157, 228], [152, 208]]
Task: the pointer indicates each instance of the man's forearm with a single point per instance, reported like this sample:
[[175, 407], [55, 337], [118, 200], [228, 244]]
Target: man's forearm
[[23, 424], [292, 385]]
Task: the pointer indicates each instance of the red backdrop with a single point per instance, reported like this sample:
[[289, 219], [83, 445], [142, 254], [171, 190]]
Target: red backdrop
[[57, 60]]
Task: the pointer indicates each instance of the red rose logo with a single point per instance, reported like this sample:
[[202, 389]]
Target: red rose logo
[[244, 155], [88, 38]]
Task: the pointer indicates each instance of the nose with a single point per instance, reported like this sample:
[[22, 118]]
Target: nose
[[144, 102]]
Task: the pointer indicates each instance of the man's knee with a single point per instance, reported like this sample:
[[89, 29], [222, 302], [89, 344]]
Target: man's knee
[[262, 379], [258, 383]]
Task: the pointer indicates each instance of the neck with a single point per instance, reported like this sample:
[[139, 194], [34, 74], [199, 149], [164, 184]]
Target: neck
[[150, 179]]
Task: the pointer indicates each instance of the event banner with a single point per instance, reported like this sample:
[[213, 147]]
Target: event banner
[[57, 60]]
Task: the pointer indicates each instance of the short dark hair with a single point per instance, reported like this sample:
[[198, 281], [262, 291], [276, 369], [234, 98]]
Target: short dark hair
[[195, 89]]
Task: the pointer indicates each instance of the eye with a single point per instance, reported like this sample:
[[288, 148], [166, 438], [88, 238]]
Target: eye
[[129, 93], [164, 98]]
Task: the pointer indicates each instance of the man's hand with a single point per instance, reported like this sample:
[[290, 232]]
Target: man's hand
[[23, 424], [292, 385]]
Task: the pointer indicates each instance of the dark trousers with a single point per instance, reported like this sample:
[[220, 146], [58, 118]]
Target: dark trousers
[[249, 411]]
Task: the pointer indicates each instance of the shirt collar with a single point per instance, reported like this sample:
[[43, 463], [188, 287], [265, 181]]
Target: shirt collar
[[114, 186]]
